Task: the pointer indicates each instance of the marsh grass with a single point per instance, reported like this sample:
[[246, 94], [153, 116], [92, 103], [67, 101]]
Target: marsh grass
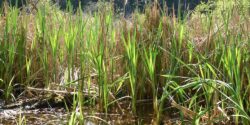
[[199, 65], [21, 120]]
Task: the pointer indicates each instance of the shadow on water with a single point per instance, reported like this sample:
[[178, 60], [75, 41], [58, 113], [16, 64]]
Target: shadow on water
[[61, 117]]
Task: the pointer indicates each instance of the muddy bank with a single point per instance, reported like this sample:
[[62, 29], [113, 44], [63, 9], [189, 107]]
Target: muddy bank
[[92, 116]]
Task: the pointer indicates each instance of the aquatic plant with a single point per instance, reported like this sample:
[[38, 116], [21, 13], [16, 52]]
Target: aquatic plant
[[197, 65]]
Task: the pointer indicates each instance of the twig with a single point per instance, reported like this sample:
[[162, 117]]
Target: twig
[[117, 103], [187, 112]]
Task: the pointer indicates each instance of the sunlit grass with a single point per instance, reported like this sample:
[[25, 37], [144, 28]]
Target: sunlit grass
[[199, 65]]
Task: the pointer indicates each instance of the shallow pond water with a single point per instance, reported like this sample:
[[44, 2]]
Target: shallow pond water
[[59, 116]]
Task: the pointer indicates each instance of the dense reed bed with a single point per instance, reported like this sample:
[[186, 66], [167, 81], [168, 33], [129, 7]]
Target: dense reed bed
[[199, 65]]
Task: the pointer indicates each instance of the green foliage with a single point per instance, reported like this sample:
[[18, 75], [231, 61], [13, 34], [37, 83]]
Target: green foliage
[[200, 64]]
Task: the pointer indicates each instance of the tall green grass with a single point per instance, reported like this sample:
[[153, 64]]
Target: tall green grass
[[132, 60], [199, 64]]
